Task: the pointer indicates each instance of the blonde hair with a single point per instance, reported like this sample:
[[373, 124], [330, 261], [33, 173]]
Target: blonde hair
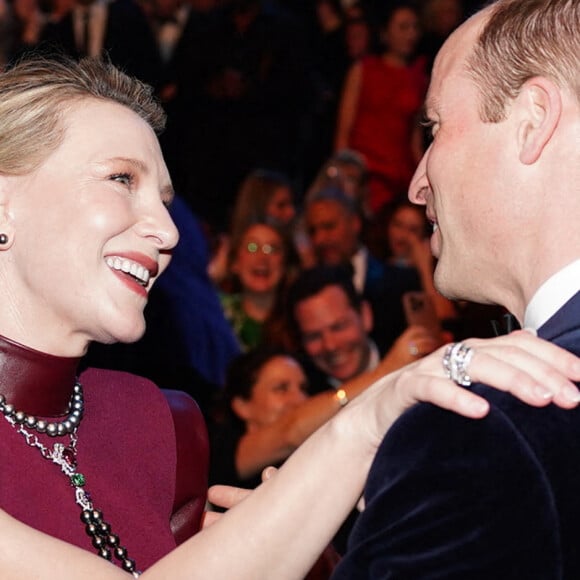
[[520, 40], [37, 92]]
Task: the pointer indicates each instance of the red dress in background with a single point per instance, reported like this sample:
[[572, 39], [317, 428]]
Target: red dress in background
[[389, 104]]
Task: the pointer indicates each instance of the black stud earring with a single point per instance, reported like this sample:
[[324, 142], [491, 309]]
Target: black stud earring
[[3, 239]]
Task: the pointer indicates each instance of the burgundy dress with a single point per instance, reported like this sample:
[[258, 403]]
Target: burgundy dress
[[126, 450]]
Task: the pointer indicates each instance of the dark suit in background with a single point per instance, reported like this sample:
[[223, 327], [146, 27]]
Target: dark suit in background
[[128, 41]]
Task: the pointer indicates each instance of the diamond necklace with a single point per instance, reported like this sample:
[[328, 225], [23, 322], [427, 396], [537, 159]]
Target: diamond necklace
[[105, 542]]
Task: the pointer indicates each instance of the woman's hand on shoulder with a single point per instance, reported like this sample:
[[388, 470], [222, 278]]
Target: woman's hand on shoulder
[[531, 369]]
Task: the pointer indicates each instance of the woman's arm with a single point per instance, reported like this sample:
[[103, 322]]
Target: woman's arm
[[291, 517], [348, 106], [28, 553], [279, 529]]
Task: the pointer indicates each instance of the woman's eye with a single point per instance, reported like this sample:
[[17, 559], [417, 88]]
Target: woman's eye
[[124, 178]]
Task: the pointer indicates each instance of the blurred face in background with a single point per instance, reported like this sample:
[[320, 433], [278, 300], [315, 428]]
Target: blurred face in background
[[334, 333], [401, 33], [406, 226], [280, 386], [334, 231], [259, 262], [357, 38], [281, 206]]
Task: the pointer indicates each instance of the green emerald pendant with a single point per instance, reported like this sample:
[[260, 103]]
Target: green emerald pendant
[[77, 479]]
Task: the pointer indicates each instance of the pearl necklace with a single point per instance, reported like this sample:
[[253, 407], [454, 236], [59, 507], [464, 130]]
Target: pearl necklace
[[54, 429], [105, 542]]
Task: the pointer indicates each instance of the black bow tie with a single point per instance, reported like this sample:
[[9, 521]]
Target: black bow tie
[[506, 325]]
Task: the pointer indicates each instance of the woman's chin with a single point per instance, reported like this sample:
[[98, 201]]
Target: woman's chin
[[126, 334]]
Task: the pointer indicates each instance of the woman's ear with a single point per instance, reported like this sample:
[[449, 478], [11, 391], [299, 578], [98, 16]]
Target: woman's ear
[[6, 221], [539, 105], [242, 408]]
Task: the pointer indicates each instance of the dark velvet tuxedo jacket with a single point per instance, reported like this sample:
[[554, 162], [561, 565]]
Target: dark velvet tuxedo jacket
[[491, 499]]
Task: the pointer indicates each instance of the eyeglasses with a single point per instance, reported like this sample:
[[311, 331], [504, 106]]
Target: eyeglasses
[[254, 247]]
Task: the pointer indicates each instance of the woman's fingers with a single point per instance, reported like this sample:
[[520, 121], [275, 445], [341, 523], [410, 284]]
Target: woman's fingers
[[528, 367], [226, 496], [434, 388], [210, 518], [528, 377]]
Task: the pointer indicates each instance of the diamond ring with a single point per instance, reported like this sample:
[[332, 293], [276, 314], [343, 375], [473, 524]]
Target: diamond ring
[[456, 362]]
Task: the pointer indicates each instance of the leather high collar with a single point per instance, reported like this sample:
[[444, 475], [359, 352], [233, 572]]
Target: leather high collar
[[35, 382]]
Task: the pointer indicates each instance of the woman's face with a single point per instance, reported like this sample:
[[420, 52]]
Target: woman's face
[[259, 262], [281, 206], [405, 227], [89, 233], [281, 385], [401, 33]]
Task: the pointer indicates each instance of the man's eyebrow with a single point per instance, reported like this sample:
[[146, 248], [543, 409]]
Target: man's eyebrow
[[431, 106]]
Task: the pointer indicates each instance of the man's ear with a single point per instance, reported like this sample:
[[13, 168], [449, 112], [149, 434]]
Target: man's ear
[[540, 106]]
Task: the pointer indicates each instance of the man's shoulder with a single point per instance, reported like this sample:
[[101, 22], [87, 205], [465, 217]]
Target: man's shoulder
[[471, 498], [425, 428]]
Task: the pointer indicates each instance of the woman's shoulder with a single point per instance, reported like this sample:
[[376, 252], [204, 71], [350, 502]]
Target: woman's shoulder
[[105, 384]]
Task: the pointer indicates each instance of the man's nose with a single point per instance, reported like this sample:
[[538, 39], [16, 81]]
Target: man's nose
[[419, 183]]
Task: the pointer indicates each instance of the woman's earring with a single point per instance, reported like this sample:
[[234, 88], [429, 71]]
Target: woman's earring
[[3, 239]]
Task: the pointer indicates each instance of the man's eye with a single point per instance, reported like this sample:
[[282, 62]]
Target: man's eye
[[428, 130]]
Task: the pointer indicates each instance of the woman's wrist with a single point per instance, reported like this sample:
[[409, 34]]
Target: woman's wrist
[[341, 397]]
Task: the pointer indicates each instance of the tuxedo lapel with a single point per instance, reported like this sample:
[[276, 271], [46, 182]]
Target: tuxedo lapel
[[564, 321]]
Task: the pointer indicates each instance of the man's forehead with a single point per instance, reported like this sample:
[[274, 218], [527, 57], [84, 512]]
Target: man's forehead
[[332, 295], [451, 58], [326, 209]]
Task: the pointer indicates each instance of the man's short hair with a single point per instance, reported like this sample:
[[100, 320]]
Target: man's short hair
[[521, 40], [333, 194]]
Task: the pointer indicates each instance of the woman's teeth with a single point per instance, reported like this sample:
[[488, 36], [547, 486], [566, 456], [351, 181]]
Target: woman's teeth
[[139, 272]]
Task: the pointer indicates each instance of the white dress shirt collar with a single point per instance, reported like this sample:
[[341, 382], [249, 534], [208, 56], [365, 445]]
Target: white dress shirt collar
[[552, 295]]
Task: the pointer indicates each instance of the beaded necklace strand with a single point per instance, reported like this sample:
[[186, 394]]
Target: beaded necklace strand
[[105, 542]]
